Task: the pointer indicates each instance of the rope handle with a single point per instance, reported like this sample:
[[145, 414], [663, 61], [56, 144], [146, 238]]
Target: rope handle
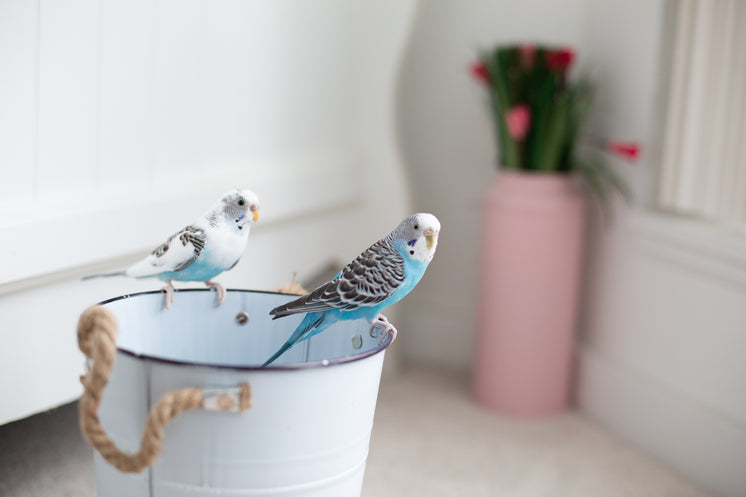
[[97, 331]]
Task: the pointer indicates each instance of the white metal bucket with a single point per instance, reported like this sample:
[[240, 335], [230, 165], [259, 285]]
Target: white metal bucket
[[307, 432]]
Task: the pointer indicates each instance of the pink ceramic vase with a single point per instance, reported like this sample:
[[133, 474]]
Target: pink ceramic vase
[[532, 247]]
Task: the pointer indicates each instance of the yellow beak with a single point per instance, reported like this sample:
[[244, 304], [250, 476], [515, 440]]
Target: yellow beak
[[430, 241], [256, 215]]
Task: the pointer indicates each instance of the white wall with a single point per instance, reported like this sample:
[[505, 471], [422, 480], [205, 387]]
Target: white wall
[[663, 355], [663, 344], [123, 121], [446, 139]]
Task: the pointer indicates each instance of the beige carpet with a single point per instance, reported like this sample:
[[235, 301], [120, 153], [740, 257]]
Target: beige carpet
[[429, 440]]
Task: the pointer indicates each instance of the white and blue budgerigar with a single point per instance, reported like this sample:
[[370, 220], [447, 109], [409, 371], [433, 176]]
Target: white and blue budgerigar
[[212, 244], [382, 275]]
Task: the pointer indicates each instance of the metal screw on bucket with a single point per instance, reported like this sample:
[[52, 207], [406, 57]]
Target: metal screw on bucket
[[242, 318], [357, 341]]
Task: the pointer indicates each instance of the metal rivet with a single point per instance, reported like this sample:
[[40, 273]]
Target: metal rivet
[[357, 341], [242, 318]]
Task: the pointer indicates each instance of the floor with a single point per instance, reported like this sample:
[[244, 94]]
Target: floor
[[429, 440], [45, 456]]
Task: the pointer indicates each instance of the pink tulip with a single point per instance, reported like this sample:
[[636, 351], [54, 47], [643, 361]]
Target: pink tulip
[[626, 150], [518, 120], [479, 71]]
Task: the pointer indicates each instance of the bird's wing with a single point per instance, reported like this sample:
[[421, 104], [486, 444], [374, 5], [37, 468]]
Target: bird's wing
[[368, 280], [175, 254]]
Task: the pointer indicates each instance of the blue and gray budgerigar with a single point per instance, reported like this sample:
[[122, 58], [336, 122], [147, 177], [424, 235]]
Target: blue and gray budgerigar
[[380, 276], [210, 245]]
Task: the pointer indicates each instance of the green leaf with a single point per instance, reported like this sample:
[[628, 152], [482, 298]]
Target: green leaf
[[499, 89], [542, 103], [604, 181], [616, 181], [580, 99], [596, 185], [554, 139]]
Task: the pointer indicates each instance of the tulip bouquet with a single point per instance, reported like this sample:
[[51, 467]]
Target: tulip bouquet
[[539, 112]]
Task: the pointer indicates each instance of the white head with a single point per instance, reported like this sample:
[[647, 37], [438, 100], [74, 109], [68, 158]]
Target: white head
[[419, 234], [239, 208]]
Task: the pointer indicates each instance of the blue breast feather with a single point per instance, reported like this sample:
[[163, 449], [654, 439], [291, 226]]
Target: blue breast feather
[[199, 270]]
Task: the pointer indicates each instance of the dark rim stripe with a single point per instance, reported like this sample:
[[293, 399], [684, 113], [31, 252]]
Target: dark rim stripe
[[281, 367]]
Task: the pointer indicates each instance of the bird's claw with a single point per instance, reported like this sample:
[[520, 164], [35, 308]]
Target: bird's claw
[[386, 328], [220, 289], [383, 319]]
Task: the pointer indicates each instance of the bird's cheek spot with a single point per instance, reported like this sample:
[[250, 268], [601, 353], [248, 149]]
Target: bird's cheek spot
[[411, 252]]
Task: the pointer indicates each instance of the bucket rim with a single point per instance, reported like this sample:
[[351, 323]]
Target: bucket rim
[[274, 368]]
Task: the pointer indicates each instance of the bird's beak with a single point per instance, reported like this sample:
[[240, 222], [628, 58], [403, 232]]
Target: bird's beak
[[255, 211], [430, 238]]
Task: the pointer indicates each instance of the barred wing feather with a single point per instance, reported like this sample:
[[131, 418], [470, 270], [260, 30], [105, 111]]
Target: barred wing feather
[[175, 254], [368, 280]]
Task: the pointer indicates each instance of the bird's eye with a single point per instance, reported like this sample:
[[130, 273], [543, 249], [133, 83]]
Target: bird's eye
[[416, 227], [241, 202]]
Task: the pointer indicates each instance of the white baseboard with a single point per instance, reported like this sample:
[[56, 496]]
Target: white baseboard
[[683, 433]]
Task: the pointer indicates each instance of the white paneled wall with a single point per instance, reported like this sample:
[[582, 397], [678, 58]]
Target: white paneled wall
[[19, 28], [107, 93], [663, 349], [704, 156], [178, 82], [102, 99], [122, 120], [68, 97], [126, 97], [103, 93]]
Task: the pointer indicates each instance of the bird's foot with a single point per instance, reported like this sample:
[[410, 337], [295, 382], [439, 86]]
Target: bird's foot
[[383, 323], [169, 289], [219, 288]]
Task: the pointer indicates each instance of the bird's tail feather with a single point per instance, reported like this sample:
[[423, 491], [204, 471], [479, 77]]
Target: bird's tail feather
[[102, 275], [294, 338], [277, 354], [309, 323]]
